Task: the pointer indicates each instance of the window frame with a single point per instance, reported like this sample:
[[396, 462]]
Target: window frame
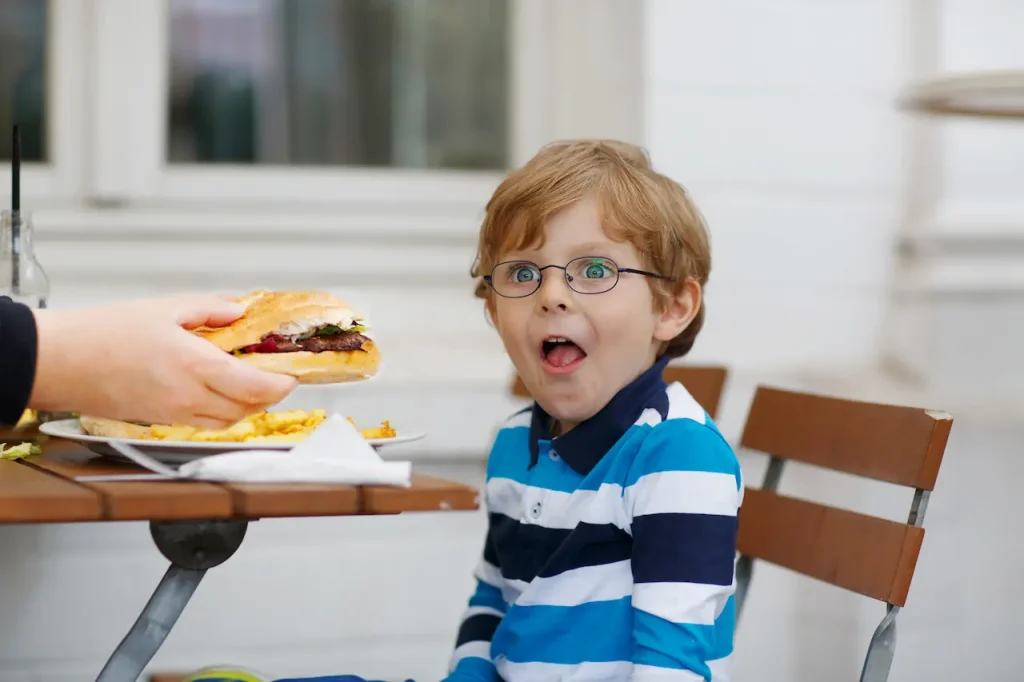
[[149, 180], [58, 181], [107, 76]]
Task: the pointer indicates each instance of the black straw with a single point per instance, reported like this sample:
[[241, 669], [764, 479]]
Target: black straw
[[16, 211], [16, 171]]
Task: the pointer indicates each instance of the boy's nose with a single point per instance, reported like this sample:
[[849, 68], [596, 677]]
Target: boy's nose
[[554, 294]]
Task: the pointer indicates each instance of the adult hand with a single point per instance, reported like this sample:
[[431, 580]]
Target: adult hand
[[135, 361]]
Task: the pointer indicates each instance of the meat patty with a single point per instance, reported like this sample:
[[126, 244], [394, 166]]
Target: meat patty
[[275, 343]]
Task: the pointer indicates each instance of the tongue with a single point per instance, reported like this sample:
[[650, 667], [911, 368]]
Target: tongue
[[564, 354]]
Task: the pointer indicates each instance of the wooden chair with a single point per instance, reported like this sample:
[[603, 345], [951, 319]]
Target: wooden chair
[[705, 384], [871, 556]]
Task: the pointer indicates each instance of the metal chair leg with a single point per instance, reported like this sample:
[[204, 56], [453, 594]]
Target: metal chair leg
[[882, 648], [192, 548]]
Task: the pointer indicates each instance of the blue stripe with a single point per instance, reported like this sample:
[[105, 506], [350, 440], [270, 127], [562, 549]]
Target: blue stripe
[[527, 551], [567, 634], [683, 445], [478, 628], [672, 645], [684, 548], [725, 626], [511, 450], [614, 467], [474, 668], [513, 463], [488, 595]]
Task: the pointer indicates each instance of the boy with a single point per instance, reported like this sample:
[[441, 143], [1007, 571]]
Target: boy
[[613, 500]]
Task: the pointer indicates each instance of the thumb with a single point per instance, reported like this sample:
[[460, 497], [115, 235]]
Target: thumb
[[210, 311]]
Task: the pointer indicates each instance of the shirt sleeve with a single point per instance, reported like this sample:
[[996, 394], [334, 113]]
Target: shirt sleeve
[[471, 659], [17, 359], [683, 498]]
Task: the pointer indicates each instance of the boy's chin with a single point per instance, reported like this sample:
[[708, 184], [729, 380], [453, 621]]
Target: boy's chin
[[569, 410]]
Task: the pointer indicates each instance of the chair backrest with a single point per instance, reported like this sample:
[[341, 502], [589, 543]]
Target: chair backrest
[[872, 556], [704, 383]]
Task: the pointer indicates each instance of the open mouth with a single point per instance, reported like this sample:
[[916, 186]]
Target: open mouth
[[561, 353]]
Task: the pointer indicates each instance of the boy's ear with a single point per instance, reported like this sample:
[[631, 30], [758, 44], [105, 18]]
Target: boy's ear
[[679, 312]]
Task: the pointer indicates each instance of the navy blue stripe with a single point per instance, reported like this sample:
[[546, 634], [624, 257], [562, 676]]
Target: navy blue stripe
[[527, 551], [523, 549], [589, 545], [478, 628], [490, 553], [684, 548]]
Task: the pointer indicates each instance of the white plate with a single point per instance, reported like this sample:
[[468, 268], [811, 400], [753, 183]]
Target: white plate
[[179, 451]]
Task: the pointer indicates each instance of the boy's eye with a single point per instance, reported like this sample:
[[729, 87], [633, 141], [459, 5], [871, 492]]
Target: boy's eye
[[522, 273], [594, 268]]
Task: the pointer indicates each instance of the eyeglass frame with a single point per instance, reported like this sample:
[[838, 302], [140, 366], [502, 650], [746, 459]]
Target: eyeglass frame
[[568, 278]]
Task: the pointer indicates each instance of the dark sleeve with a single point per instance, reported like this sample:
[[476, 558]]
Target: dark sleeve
[[17, 359]]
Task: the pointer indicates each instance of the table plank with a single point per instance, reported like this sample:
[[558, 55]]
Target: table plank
[[132, 500], [255, 500], [428, 493], [28, 495]]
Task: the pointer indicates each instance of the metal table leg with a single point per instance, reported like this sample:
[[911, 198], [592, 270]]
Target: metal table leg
[[192, 547]]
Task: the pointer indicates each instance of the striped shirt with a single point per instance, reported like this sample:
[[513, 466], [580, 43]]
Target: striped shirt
[[610, 552]]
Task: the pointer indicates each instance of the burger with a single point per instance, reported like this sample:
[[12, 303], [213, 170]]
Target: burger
[[312, 335]]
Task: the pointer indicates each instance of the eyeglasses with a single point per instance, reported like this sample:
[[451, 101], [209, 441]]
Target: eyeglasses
[[586, 275]]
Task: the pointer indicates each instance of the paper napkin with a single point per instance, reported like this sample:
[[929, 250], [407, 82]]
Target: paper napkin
[[335, 452]]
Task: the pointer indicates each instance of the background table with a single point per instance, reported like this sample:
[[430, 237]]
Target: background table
[[991, 94], [196, 525]]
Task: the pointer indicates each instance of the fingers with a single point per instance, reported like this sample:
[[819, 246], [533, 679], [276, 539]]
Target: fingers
[[210, 311], [211, 409], [215, 411], [247, 385]]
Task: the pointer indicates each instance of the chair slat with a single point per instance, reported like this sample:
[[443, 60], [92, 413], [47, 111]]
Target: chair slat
[[705, 384], [870, 556], [902, 445]]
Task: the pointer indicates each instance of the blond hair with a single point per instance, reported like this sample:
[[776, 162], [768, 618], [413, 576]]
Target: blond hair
[[638, 205]]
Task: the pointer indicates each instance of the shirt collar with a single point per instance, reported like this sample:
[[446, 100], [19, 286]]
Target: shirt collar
[[584, 446]]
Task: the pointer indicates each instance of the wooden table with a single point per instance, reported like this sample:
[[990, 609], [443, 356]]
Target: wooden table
[[195, 525]]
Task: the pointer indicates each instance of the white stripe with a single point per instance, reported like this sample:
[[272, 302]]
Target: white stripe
[[557, 509], [683, 492], [681, 404], [511, 589], [649, 417], [691, 603], [580, 585], [489, 573], [721, 669], [614, 671], [651, 672], [477, 649], [481, 611]]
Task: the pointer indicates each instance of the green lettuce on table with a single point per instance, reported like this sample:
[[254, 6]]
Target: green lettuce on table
[[19, 451]]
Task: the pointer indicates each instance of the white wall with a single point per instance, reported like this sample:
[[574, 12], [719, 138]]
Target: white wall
[[780, 119]]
